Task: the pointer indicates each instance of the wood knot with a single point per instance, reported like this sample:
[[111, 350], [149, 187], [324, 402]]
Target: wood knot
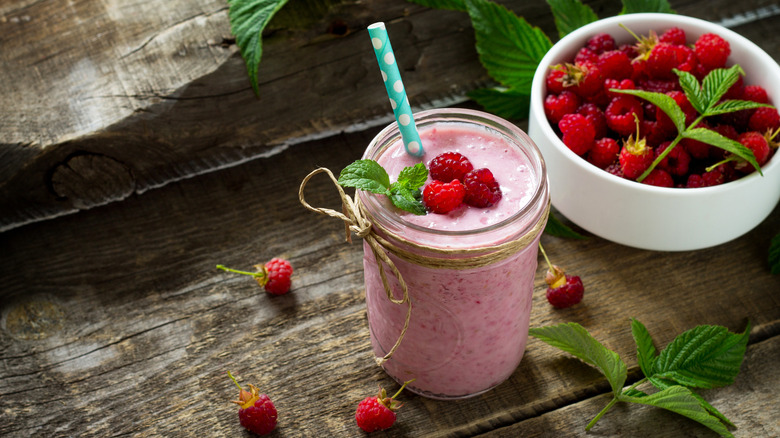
[[88, 180], [33, 318]]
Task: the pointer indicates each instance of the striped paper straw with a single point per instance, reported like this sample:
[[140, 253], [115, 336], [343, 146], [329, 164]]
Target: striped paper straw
[[395, 89]]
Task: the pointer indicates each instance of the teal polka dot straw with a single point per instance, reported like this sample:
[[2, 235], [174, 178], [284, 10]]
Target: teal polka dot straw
[[395, 89]]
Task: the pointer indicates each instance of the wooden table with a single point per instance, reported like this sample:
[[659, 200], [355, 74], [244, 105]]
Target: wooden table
[[115, 321]]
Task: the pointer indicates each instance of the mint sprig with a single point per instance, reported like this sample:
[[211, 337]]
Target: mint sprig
[[704, 357], [706, 99], [370, 176]]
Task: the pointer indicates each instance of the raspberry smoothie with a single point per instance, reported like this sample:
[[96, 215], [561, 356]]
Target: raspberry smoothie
[[469, 326]]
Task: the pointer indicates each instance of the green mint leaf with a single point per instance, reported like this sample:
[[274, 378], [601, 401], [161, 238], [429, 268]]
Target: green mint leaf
[[509, 48], [555, 227], [704, 357], [664, 384], [573, 338], [407, 199], [645, 350], [412, 177], [667, 104], [570, 15], [454, 5], [509, 104], [729, 106], [247, 19], [366, 175], [774, 255], [717, 83], [711, 137], [682, 401], [634, 6], [692, 89]]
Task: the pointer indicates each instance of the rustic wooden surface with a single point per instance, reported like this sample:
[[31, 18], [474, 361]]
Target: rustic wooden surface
[[114, 321]]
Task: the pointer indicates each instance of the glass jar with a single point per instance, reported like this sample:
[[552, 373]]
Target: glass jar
[[470, 273]]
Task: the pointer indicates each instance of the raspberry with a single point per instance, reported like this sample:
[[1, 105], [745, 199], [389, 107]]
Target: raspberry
[[712, 178], [555, 107], [675, 36], [663, 58], [578, 133], [595, 115], [582, 77], [676, 162], [755, 93], [449, 166], [278, 277], [625, 84], [600, 43], [615, 169], [604, 152], [736, 90], [659, 177], [554, 81], [442, 198], [378, 413], [482, 189], [764, 119], [659, 85], [620, 114], [585, 55], [563, 290], [257, 413], [712, 51], [694, 181], [758, 144], [615, 64], [682, 101], [635, 158]]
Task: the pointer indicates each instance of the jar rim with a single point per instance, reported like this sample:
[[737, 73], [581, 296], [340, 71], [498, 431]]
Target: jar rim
[[491, 123]]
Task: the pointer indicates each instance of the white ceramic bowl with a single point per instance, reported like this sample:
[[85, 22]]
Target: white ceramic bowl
[[639, 215]]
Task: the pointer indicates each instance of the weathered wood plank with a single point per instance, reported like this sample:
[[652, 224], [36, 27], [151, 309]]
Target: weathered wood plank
[[114, 321]]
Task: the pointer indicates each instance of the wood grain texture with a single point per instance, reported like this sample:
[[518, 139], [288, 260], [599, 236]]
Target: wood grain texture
[[115, 322]]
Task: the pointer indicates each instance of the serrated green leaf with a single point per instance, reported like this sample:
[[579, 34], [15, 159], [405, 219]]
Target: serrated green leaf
[[555, 227], [666, 103], [704, 357], [645, 350], [635, 6], [407, 199], [509, 48], [573, 338], [453, 5], [412, 177], [692, 89], [247, 19], [365, 175], [729, 106], [774, 255], [711, 137], [682, 401], [662, 384], [717, 83], [570, 15], [508, 104]]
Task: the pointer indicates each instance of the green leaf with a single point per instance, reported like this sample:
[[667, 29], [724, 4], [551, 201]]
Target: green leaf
[[667, 104], [365, 175], [412, 177], [774, 255], [555, 227], [509, 48], [704, 357], [664, 384], [573, 338], [509, 104], [454, 5], [645, 350], [682, 401], [693, 91], [247, 19], [635, 6], [718, 81], [407, 199], [711, 137], [729, 106], [570, 15]]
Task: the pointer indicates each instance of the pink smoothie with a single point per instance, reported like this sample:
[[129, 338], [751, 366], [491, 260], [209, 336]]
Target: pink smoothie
[[469, 327]]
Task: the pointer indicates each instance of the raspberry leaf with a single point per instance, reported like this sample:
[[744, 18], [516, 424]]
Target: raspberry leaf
[[453, 5], [645, 350], [573, 338], [717, 83], [682, 401], [555, 227], [729, 106], [506, 103], [634, 6], [711, 137], [509, 48], [704, 357], [570, 15], [365, 175], [692, 89], [774, 255], [667, 104], [662, 384]]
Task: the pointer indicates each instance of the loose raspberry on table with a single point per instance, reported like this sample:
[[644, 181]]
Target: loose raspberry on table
[[257, 412], [482, 189], [604, 152], [578, 133], [557, 106], [565, 291], [378, 412], [620, 114], [449, 166], [764, 119], [279, 275], [659, 177], [712, 51], [440, 197]]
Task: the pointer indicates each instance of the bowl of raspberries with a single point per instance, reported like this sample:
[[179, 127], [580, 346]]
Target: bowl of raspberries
[[659, 131]]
